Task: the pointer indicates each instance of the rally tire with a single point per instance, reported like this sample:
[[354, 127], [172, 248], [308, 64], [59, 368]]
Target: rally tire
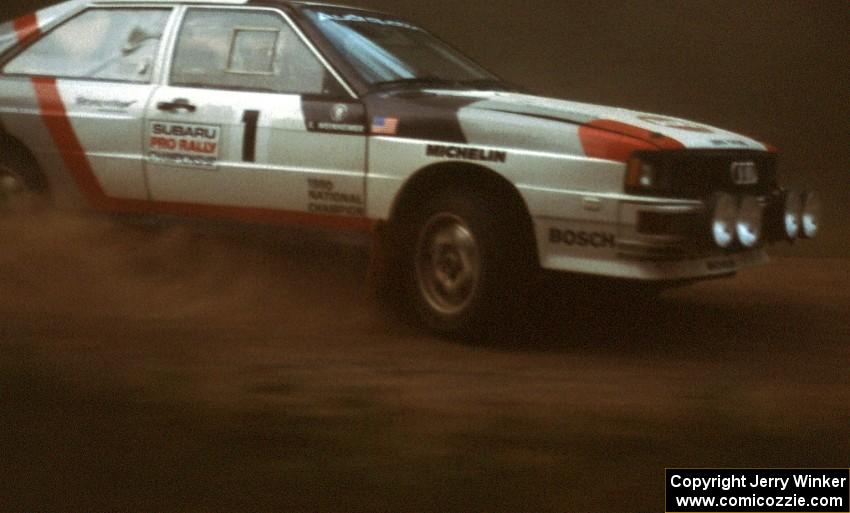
[[466, 262], [22, 186]]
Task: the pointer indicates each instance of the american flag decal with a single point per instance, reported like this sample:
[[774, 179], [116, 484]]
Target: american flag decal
[[384, 126]]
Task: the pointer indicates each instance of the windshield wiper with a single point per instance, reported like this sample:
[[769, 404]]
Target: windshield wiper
[[487, 84], [480, 84], [413, 82]]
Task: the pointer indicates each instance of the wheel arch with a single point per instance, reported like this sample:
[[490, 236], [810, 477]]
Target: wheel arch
[[20, 154], [437, 177]]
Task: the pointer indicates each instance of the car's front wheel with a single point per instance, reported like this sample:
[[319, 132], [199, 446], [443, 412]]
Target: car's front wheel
[[467, 261], [448, 264]]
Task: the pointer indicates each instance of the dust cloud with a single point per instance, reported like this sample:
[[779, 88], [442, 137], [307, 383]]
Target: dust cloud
[[79, 264]]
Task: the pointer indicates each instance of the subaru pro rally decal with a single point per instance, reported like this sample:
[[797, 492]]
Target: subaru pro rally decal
[[181, 144]]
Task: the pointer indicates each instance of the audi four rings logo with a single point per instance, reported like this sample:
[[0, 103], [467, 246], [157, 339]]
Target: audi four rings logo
[[744, 173]]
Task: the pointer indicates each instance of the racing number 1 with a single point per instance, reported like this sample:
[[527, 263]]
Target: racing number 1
[[249, 144]]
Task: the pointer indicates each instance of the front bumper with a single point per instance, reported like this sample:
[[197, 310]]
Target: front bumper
[[639, 239]]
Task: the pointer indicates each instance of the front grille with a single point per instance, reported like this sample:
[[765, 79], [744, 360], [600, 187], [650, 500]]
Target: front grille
[[696, 174], [671, 224]]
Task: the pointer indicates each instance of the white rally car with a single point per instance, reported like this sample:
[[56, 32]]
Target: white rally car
[[288, 112]]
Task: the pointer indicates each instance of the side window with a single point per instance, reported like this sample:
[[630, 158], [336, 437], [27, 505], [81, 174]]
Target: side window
[[103, 44], [246, 50]]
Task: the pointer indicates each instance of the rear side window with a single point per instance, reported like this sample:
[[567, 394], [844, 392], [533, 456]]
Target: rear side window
[[246, 50], [103, 44]]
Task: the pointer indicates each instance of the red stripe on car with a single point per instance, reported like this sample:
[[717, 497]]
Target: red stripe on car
[[613, 140], [26, 28], [55, 117]]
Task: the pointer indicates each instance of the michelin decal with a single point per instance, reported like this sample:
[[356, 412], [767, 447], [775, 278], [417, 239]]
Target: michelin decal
[[459, 153]]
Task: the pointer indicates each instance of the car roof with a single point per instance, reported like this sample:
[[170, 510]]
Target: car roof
[[234, 2], [225, 2]]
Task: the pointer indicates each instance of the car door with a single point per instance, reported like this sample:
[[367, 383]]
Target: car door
[[253, 121], [78, 95]]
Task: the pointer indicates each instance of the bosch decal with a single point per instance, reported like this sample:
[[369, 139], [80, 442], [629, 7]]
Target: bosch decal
[[582, 238]]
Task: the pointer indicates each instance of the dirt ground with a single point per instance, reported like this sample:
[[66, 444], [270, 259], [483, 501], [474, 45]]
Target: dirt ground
[[199, 369]]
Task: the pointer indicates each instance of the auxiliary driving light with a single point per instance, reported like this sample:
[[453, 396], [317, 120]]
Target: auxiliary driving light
[[811, 214], [792, 215], [749, 224], [723, 220]]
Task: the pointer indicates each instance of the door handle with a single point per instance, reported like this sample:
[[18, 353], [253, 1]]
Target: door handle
[[176, 105]]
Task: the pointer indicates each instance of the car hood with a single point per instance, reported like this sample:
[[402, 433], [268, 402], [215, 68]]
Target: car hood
[[522, 121], [623, 121]]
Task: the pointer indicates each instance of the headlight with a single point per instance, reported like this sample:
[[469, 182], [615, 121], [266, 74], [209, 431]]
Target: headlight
[[792, 215], [641, 174], [748, 226], [811, 217], [724, 219], [646, 175]]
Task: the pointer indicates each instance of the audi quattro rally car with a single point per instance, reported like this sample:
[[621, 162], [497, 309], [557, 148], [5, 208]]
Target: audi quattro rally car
[[289, 112]]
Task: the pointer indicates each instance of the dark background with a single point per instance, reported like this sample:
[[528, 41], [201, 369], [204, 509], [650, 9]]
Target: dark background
[[776, 70]]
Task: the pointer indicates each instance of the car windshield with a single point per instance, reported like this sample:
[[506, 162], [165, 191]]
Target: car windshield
[[388, 52]]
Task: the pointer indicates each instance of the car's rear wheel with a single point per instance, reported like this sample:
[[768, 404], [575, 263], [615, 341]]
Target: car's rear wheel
[[467, 262], [21, 185]]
